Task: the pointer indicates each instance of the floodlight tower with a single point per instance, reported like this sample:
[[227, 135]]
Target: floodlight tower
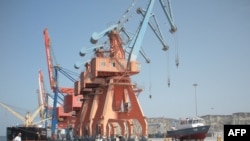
[[195, 85]]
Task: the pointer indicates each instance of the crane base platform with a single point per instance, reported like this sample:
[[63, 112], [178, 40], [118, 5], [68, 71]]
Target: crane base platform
[[120, 138]]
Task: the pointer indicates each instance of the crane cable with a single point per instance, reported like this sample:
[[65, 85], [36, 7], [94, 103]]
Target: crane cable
[[53, 56], [123, 20], [168, 68], [176, 58], [68, 73], [176, 49], [150, 80]]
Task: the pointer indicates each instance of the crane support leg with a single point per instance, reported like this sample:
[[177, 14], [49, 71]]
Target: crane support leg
[[130, 127], [104, 110], [93, 112], [135, 111], [108, 129], [123, 127], [112, 129], [114, 105]]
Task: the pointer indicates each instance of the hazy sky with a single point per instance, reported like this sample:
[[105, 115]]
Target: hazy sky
[[213, 43]]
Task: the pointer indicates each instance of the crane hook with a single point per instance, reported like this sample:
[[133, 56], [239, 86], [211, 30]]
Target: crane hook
[[177, 61], [169, 82]]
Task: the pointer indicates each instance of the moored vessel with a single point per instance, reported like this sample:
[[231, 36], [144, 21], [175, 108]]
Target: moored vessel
[[189, 128], [28, 133]]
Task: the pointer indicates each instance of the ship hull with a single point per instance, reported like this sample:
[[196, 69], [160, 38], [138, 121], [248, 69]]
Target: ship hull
[[189, 133], [28, 133]]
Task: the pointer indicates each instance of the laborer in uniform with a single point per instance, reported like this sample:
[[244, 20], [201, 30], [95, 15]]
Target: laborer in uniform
[[18, 137]]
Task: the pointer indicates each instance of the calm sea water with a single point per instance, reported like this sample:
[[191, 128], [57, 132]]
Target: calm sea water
[[2, 138]]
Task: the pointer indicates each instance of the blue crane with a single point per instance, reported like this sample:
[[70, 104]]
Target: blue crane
[[134, 43], [53, 71]]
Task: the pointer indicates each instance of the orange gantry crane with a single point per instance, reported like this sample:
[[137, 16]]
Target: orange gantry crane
[[109, 95], [62, 115]]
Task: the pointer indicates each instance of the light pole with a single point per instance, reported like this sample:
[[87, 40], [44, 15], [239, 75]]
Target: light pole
[[195, 85]]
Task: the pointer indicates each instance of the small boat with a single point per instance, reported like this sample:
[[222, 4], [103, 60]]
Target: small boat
[[189, 128]]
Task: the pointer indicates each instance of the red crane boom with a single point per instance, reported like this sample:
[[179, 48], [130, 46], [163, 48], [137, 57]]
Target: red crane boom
[[50, 65], [71, 102], [49, 60]]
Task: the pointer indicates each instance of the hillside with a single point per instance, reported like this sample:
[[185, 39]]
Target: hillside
[[217, 122]]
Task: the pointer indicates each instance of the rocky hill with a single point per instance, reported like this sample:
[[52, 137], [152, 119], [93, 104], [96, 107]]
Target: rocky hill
[[217, 122]]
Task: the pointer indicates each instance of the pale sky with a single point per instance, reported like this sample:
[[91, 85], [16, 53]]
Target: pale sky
[[213, 42]]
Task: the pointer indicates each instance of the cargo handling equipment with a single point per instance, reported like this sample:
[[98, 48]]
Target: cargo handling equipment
[[109, 105], [109, 95]]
